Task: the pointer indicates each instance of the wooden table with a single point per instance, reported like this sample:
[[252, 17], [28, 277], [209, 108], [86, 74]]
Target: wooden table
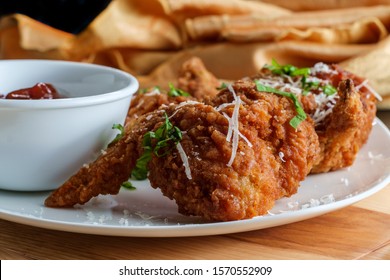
[[360, 231]]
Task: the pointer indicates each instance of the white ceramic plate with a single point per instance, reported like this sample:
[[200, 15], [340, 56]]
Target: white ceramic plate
[[146, 213]]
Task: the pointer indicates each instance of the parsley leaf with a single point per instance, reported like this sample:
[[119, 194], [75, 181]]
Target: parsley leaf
[[308, 86], [329, 90], [128, 185], [301, 115], [287, 69], [148, 90], [293, 71], [120, 134], [140, 170], [173, 92], [222, 86], [167, 136]]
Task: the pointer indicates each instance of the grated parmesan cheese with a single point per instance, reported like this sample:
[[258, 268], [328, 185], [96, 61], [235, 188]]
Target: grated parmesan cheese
[[233, 133], [230, 131], [321, 67], [281, 156], [233, 125], [345, 181], [325, 105], [188, 102], [141, 102], [144, 216], [326, 199], [155, 91], [370, 89], [184, 158], [295, 85], [123, 222], [182, 104], [223, 106]]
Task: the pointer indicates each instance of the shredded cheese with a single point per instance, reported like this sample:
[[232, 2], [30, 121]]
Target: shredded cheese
[[321, 67], [141, 102], [298, 86], [281, 156], [155, 91], [181, 105], [245, 139], [233, 125], [188, 102], [326, 199], [184, 158], [325, 104], [370, 89], [233, 134], [230, 130], [223, 106]]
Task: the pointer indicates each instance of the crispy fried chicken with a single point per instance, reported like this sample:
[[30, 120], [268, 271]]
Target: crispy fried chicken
[[197, 80], [227, 183], [342, 105], [193, 79], [238, 151], [210, 174]]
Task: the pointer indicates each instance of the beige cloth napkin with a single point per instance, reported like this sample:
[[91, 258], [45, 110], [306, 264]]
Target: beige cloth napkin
[[234, 38]]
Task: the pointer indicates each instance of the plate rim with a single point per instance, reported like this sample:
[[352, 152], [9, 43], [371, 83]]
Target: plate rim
[[203, 229]]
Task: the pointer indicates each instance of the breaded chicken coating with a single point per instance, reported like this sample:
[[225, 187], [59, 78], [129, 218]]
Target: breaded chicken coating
[[269, 162], [197, 80], [151, 100], [103, 176], [194, 81], [232, 154], [233, 161], [345, 130], [342, 105]]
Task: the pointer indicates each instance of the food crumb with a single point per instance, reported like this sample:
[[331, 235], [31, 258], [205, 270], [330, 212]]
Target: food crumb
[[326, 199]]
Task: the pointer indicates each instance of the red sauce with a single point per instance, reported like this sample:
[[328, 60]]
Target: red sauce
[[39, 91]]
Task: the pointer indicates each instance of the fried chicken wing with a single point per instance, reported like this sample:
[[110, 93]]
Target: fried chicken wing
[[151, 100], [193, 79], [197, 80], [234, 160], [238, 150], [342, 105], [227, 182], [107, 173], [344, 131]]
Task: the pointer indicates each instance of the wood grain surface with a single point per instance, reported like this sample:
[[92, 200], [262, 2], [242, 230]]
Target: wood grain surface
[[360, 231]]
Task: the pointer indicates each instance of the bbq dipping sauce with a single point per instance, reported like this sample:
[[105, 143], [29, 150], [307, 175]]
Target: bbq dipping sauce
[[38, 91]]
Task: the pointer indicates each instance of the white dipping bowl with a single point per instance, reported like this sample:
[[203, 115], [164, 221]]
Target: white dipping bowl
[[44, 142]]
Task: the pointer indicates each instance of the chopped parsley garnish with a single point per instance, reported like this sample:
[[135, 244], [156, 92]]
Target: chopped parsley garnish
[[173, 92], [142, 90], [301, 115], [294, 71], [128, 185], [287, 69], [308, 86], [147, 90], [222, 86], [329, 90], [165, 138], [315, 85], [120, 134]]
